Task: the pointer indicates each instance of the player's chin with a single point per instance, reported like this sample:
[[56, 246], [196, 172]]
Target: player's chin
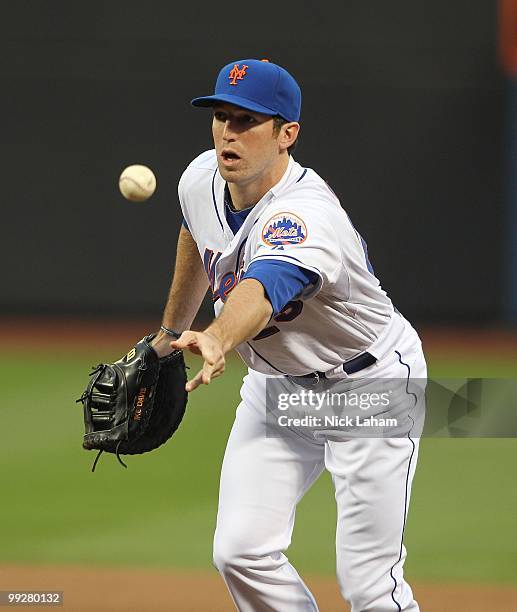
[[230, 173]]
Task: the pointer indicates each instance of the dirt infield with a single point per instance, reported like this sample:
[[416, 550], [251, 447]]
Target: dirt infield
[[119, 590], [67, 332]]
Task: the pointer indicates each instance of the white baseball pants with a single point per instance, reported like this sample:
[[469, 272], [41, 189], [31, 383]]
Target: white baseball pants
[[264, 478]]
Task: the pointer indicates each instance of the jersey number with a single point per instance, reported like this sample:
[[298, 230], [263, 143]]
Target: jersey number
[[290, 311]]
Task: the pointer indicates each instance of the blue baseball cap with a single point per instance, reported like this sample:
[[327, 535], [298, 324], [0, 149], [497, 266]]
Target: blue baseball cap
[[257, 85]]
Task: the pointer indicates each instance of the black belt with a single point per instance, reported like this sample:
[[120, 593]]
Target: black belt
[[359, 363], [350, 367]]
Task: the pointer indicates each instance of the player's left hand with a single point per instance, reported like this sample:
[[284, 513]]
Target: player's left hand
[[210, 348]]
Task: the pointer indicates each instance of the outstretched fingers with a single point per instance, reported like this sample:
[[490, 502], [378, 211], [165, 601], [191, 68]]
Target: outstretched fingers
[[199, 379], [209, 347], [187, 340]]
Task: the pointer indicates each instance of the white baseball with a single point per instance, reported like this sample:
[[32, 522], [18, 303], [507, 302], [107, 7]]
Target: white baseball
[[137, 183]]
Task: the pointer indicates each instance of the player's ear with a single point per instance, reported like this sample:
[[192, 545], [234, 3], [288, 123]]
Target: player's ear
[[288, 135]]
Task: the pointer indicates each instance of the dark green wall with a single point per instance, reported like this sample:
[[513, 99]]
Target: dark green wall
[[403, 113]]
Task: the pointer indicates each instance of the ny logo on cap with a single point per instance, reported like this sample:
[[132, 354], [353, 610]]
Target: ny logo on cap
[[237, 74]]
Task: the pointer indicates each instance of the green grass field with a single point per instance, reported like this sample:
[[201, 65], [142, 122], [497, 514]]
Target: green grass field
[[161, 511]]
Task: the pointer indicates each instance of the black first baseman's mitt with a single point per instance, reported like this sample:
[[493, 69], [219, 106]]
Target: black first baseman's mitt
[[135, 404]]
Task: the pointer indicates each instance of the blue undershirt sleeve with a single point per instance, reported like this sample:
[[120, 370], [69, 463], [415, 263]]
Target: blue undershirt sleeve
[[185, 225], [282, 281]]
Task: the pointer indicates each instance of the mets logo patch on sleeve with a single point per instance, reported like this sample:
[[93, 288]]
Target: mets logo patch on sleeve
[[284, 228]]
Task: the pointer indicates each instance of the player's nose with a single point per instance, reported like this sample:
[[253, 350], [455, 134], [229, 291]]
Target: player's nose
[[228, 131]]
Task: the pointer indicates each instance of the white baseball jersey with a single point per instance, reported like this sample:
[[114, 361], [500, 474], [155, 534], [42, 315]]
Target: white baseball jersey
[[299, 221], [267, 469]]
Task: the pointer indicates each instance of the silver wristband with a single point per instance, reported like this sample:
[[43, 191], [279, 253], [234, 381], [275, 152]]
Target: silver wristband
[[170, 332]]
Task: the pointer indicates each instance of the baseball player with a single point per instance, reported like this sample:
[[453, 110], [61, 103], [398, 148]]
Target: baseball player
[[294, 293]]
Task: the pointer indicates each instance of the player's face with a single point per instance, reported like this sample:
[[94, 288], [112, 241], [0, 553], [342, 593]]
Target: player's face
[[245, 142]]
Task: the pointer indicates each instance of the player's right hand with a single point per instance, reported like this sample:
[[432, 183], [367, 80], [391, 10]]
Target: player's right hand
[[210, 348]]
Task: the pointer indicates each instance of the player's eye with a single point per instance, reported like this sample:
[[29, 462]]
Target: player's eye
[[246, 120], [220, 116]]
